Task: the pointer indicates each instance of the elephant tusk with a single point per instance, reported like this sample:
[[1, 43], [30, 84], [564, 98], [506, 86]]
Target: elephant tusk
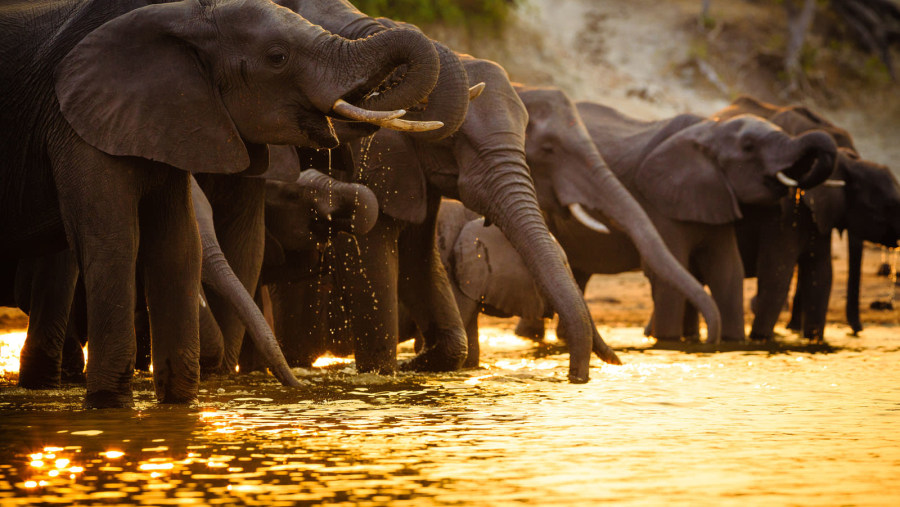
[[786, 180], [834, 183], [476, 90], [588, 221], [410, 126], [352, 112]]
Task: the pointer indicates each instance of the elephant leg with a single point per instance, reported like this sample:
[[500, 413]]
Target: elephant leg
[[170, 260], [212, 343], [796, 309], [690, 326], [142, 357], [426, 291], [854, 264], [368, 272], [73, 357], [814, 276], [250, 360], [668, 312], [99, 197], [778, 255], [300, 311], [720, 267], [52, 286], [238, 211], [468, 312]]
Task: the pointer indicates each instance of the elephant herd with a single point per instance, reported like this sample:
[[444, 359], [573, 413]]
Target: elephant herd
[[168, 167]]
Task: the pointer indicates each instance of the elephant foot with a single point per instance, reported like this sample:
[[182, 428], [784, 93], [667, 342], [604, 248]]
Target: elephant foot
[[108, 399], [884, 270], [532, 329], [29, 381], [38, 371], [757, 337], [794, 325], [445, 350]]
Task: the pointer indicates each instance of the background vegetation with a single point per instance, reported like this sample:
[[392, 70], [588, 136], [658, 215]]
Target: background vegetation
[[482, 13]]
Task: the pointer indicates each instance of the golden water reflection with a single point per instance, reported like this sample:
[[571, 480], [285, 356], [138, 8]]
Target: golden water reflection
[[794, 425]]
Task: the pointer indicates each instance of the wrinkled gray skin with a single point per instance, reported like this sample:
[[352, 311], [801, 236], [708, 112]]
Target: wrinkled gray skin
[[99, 146], [775, 239], [240, 209], [690, 174], [313, 198]]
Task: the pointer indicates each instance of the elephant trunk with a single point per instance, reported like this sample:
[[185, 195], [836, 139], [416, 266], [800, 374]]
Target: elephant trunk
[[353, 69], [621, 207], [817, 160], [510, 203], [449, 99], [353, 207], [218, 273]]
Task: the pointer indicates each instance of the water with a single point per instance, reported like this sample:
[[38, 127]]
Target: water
[[801, 425]]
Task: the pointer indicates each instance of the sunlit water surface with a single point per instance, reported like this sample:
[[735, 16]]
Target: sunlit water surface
[[798, 425]]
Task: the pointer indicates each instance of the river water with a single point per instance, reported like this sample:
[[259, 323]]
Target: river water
[[792, 425]]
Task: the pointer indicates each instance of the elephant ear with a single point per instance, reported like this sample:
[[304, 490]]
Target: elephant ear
[[391, 169], [274, 252], [135, 86], [488, 269], [682, 181]]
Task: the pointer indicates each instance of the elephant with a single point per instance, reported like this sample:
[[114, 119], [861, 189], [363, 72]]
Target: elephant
[[861, 196], [240, 209], [690, 174], [101, 136]]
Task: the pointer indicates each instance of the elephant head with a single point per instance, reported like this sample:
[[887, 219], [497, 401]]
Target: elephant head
[[450, 98], [572, 177], [203, 86], [861, 196], [300, 216]]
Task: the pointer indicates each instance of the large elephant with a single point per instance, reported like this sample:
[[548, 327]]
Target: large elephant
[[107, 105], [239, 209], [860, 196], [690, 175]]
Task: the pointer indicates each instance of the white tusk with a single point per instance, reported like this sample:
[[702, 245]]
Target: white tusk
[[476, 90], [588, 221], [786, 180], [411, 126], [352, 112], [835, 183]]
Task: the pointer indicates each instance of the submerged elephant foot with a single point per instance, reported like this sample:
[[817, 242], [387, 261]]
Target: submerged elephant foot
[[759, 337], [108, 399], [445, 350], [38, 371], [73, 377]]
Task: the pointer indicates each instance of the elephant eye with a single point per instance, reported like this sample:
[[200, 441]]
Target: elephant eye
[[277, 58], [547, 149], [748, 146]]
